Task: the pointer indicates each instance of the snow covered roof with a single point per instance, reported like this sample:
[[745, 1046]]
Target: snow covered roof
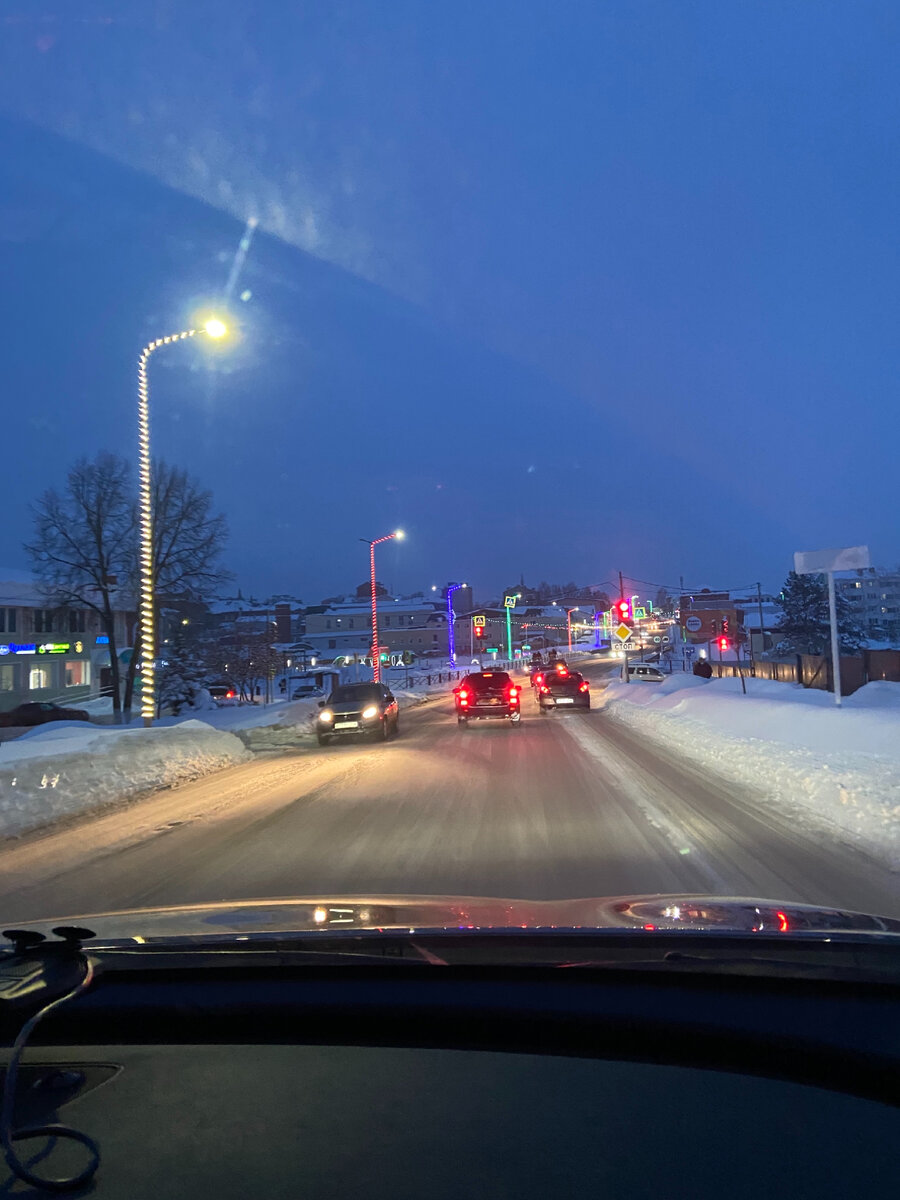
[[18, 587]]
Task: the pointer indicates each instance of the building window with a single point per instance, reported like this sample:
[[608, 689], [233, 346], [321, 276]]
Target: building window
[[10, 620], [332, 644], [328, 623], [43, 620], [78, 674], [38, 678], [76, 620], [7, 679], [434, 637], [387, 621], [350, 623]]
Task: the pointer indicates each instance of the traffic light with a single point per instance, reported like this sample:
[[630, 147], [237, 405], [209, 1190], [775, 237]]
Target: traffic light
[[479, 631], [623, 610], [714, 626], [725, 625], [723, 643]]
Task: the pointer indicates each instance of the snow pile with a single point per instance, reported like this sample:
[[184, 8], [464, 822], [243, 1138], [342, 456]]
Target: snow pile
[[826, 766], [71, 767]]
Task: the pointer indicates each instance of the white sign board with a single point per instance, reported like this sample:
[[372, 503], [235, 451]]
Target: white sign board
[[693, 624], [820, 562]]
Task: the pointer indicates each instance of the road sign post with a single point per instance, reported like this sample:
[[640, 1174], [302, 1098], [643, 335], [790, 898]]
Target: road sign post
[[509, 603], [826, 562]]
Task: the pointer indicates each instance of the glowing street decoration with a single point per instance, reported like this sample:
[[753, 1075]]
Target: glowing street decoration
[[451, 617], [214, 328]]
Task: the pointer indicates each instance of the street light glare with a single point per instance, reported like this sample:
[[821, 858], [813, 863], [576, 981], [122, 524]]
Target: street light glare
[[399, 535], [215, 328]]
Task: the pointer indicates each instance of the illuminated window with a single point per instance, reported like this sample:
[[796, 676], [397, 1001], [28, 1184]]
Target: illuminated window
[[38, 678], [78, 674], [7, 679]]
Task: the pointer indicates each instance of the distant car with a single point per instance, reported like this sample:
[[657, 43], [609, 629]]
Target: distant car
[[645, 673], [39, 713], [223, 693], [360, 709], [488, 696], [541, 673], [563, 689]]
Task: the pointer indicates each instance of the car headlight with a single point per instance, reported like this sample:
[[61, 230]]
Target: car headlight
[[371, 711], [326, 716]]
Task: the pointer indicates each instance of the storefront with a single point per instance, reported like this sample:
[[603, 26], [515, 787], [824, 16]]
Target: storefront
[[58, 671]]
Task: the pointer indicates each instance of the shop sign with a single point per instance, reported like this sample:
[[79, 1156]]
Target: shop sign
[[54, 648], [18, 648]]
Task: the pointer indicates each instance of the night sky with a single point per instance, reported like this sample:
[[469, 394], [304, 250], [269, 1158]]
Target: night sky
[[560, 289]]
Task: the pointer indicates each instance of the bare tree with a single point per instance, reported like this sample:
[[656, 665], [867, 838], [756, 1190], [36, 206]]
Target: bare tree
[[188, 539], [84, 544]]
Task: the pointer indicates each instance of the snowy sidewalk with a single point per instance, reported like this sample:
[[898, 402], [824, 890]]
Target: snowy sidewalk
[[834, 770]]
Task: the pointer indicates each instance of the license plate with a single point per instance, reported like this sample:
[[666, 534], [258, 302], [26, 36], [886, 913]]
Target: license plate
[[346, 724], [565, 700], [493, 700]]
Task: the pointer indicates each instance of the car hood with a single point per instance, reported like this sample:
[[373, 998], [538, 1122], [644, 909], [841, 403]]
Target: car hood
[[467, 914]]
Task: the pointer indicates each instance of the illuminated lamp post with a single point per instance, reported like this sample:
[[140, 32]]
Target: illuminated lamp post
[[372, 543], [213, 328], [569, 612], [451, 640]]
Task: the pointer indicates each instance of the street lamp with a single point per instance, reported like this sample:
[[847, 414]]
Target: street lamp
[[215, 329], [451, 640], [372, 543], [569, 612]]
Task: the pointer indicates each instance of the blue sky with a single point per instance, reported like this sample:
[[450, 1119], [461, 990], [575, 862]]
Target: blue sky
[[505, 251]]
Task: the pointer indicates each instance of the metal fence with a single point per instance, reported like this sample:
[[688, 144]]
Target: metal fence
[[814, 670]]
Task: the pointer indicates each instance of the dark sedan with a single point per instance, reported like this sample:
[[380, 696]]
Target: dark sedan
[[563, 689], [39, 713], [358, 708]]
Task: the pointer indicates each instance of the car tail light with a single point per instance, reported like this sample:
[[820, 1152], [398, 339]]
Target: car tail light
[[563, 671], [539, 679], [229, 695], [545, 689], [463, 694], [583, 688]]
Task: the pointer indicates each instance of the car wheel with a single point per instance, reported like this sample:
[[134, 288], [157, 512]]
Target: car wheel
[[381, 733], [323, 739]]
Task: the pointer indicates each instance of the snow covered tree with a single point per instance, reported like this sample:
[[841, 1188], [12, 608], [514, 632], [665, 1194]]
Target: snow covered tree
[[804, 624], [182, 678]]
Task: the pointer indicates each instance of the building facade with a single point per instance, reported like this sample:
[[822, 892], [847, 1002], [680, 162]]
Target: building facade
[[59, 654], [345, 628], [874, 595]]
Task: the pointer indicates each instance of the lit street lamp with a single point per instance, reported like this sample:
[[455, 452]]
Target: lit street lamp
[[213, 328], [451, 616], [372, 543], [569, 612]]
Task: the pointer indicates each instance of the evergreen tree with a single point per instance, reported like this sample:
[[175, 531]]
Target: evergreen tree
[[804, 624], [182, 678]]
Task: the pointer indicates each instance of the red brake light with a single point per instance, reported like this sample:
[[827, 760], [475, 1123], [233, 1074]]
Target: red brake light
[[783, 923], [583, 688], [463, 694], [229, 695], [563, 671], [545, 689], [539, 679]]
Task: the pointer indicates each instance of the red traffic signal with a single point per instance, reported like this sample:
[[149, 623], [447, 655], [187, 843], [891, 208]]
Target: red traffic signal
[[479, 631], [723, 643], [623, 609]]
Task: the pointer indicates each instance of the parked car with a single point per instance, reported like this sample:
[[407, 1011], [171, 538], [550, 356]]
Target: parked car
[[358, 708], [645, 673], [223, 693], [39, 713], [563, 689], [487, 696]]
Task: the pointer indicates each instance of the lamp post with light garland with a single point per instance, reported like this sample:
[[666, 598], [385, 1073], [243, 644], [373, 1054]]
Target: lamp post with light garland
[[213, 328], [372, 543], [451, 639]]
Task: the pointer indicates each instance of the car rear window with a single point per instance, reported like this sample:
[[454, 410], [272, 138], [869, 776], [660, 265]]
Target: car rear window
[[488, 679], [568, 677]]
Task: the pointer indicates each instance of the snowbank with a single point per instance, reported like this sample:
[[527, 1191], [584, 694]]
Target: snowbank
[[69, 767], [826, 766]]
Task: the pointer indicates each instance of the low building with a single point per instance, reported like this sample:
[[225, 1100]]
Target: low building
[[57, 654], [404, 624]]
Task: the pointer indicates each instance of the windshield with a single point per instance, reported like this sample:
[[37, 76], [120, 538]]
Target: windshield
[[360, 693], [357, 353]]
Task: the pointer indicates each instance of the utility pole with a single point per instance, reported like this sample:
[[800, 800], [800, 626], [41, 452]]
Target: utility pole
[[621, 587], [762, 627]]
